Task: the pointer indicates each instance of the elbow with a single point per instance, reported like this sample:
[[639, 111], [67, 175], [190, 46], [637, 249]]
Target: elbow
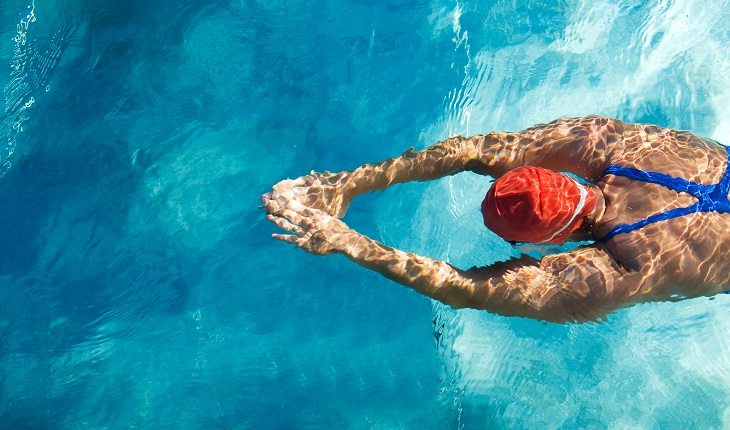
[[564, 309], [457, 298], [458, 295], [549, 305], [553, 310]]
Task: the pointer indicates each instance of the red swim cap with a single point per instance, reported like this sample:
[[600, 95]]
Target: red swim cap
[[536, 205]]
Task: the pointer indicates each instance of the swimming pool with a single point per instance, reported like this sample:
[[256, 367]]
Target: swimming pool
[[140, 287]]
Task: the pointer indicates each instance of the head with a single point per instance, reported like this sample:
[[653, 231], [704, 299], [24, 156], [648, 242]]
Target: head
[[536, 205]]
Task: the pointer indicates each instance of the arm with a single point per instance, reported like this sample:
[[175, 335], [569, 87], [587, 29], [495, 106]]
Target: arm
[[582, 285], [582, 146], [579, 145], [577, 286], [333, 192]]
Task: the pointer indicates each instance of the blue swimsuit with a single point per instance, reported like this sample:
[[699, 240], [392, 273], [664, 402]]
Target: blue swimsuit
[[710, 198]]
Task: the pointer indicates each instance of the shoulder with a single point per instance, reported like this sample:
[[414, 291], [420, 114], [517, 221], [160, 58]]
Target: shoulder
[[587, 271]]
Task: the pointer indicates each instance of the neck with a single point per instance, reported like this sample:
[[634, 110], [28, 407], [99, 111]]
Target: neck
[[585, 232], [600, 207]]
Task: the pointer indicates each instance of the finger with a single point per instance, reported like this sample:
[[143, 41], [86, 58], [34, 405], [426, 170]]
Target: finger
[[273, 207], [292, 216], [276, 203], [296, 218], [300, 208], [285, 224], [264, 198], [288, 183], [288, 195], [306, 211], [288, 238]]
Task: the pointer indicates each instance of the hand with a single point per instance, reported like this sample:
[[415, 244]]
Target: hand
[[326, 191], [313, 230]]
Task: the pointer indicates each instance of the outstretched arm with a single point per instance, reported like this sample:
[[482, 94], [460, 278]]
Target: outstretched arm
[[333, 192], [582, 146], [577, 286], [578, 145]]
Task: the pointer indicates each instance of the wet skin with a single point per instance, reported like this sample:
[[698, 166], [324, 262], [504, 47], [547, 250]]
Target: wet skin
[[669, 260]]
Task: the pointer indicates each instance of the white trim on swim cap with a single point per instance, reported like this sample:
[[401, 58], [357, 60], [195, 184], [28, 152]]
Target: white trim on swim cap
[[578, 209]]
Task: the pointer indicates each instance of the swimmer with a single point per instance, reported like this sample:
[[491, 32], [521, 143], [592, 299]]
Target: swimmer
[[653, 201]]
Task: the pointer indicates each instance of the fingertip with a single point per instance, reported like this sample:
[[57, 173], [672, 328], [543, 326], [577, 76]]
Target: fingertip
[[283, 237], [264, 198]]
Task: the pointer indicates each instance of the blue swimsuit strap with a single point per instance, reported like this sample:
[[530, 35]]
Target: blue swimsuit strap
[[709, 197]]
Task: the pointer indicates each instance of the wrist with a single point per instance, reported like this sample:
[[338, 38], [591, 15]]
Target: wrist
[[350, 243], [350, 185], [357, 182]]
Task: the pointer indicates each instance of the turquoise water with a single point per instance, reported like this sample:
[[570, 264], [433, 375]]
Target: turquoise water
[[139, 285]]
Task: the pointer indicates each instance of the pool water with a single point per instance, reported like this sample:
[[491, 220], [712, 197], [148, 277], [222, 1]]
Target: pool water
[[139, 284]]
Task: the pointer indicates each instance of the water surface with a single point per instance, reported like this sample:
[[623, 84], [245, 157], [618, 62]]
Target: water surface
[[139, 285]]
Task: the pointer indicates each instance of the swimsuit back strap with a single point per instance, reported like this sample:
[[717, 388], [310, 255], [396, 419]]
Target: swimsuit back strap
[[709, 197], [662, 216], [724, 185], [679, 185]]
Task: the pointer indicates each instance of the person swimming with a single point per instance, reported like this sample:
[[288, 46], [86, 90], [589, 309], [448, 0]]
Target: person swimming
[[653, 201]]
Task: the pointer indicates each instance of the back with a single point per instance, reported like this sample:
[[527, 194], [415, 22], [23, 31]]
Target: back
[[687, 255]]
